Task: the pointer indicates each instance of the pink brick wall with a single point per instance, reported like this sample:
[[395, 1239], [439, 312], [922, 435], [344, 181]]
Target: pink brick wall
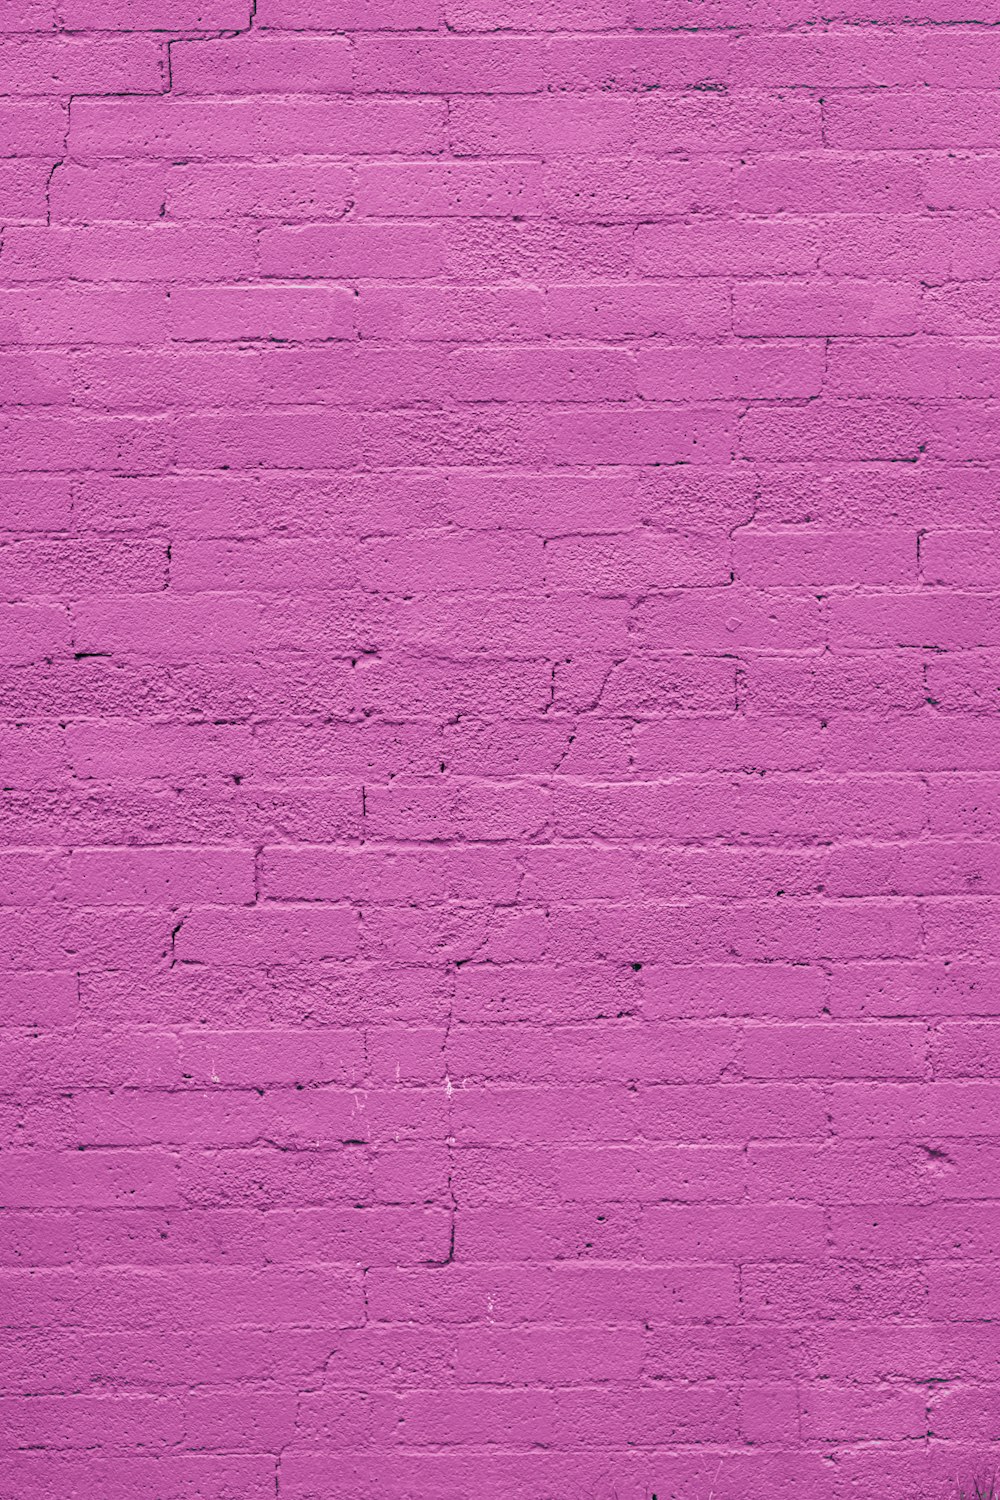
[[500, 625]]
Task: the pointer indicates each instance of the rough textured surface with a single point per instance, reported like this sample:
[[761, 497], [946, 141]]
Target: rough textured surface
[[499, 742]]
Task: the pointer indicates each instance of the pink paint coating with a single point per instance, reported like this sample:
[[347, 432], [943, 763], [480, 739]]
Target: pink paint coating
[[499, 653]]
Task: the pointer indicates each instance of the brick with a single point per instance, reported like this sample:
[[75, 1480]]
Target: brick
[[451, 189], [531, 374], [765, 309], [83, 65], [33, 127], [606, 189], [120, 191], [120, 876], [152, 15], [86, 314], [226, 936], [537, 124], [636, 62], [261, 65], [710, 247], [395, 251], [806, 556], [133, 254], [347, 15], [876, 431], [450, 64], [255, 190], [743, 120], [813, 184], [743, 369], [639, 309], [912, 120], [261, 312], [166, 128]]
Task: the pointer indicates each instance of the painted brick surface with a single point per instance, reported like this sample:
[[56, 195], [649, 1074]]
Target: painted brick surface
[[499, 653]]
